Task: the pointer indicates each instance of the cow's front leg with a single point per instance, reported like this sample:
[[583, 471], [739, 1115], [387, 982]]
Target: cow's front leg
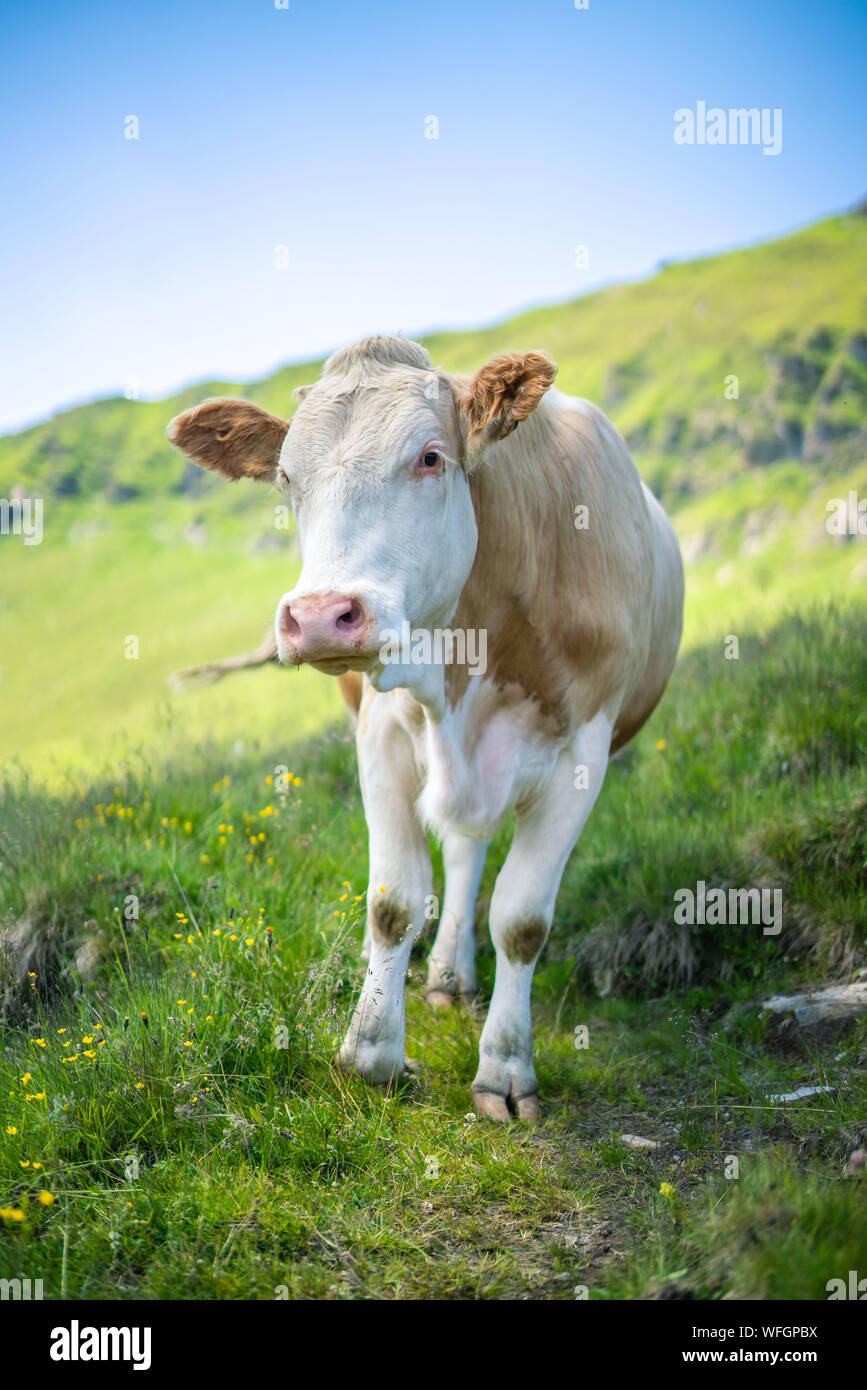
[[400, 883], [452, 961], [522, 908]]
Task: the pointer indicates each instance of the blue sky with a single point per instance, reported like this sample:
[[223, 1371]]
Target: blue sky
[[154, 259]]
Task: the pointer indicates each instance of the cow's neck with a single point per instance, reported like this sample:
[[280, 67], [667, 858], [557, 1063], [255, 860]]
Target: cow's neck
[[524, 498], [524, 495]]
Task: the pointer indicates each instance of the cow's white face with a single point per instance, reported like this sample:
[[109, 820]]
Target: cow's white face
[[376, 464], [373, 464]]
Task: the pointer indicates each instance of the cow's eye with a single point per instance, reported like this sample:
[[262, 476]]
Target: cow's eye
[[430, 462]]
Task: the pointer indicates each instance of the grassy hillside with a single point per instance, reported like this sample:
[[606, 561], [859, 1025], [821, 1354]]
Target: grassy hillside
[[138, 542], [186, 1152], [788, 318], [71, 698]]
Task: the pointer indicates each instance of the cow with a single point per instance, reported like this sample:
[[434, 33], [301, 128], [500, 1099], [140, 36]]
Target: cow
[[486, 512]]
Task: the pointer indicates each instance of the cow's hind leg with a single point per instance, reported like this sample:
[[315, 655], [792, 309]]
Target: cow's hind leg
[[400, 884], [451, 967], [522, 908]]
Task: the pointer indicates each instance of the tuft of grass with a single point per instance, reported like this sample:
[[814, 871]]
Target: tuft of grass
[[778, 1231]]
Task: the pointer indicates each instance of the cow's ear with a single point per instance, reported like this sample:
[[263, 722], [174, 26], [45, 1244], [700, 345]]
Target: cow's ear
[[502, 394], [234, 438]]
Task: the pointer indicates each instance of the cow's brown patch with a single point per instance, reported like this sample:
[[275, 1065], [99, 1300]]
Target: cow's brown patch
[[572, 613], [558, 603], [235, 438], [522, 941], [389, 920]]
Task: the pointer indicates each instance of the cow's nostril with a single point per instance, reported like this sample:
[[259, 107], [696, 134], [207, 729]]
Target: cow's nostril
[[289, 624], [351, 616]]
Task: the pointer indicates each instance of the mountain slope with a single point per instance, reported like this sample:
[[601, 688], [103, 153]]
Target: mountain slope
[[138, 543], [787, 318]]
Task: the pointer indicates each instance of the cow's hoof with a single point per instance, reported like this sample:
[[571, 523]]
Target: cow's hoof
[[527, 1108], [490, 1106]]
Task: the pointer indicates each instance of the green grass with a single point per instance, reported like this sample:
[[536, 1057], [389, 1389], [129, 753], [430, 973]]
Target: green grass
[[258, 1168], [196, 1155], [72, 697]]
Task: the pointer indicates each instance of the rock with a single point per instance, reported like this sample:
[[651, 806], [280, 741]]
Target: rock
[[821, 339], [794, 367], [122, 492], [835, 1004], [635, 1141], [858, 1161], [802, 1093], [760, 442], [839, 380], [857, 347], [792, 434]]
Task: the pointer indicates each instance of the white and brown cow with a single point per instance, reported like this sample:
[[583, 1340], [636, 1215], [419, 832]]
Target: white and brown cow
[[422, 509]]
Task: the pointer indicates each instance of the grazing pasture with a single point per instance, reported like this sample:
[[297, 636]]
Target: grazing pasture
[[182, 878], [175, 1095]]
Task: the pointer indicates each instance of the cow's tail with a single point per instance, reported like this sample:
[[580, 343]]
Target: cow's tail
[[215, 670], [351, 683]]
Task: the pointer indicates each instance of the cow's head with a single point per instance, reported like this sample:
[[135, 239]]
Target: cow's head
[[377, 465]]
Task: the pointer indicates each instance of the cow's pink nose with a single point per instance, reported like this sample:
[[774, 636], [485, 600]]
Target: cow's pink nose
[[321, 627]]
